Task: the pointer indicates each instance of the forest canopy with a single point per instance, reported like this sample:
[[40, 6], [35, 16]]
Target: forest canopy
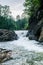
[[8, 22]]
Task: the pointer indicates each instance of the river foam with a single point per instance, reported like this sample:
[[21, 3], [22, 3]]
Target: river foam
[[23, 41]]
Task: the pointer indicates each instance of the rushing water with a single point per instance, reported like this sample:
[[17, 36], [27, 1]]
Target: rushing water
[[20, 48], [23, 41]]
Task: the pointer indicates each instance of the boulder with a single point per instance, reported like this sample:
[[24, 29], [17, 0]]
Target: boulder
[[7, 35], [5, 55]]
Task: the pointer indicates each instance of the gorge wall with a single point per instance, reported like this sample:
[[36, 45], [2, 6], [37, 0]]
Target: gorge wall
[[36, 24]]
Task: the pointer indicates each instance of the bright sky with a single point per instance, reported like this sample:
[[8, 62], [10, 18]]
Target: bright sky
[[16, 6]]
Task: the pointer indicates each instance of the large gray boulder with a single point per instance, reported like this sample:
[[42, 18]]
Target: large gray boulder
[[7, 35]]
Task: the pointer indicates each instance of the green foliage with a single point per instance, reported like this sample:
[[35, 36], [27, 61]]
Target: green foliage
[[21, 24], [5, 11], [31, 9], [31, 6], [7, 22]]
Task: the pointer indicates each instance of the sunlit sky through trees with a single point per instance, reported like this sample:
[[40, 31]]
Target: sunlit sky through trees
[[16, 6]]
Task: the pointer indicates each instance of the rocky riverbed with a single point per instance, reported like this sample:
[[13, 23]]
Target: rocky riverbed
[[24, 51], [5, 55], [23, 57]]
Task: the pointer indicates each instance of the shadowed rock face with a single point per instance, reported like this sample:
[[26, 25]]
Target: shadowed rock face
[[36, 25], [36, 32], [7, 35]]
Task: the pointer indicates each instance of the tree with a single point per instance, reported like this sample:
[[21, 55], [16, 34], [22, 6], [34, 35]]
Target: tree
[[18, 17], [31, 6], [6, 20], [5, 11], [0, 9]]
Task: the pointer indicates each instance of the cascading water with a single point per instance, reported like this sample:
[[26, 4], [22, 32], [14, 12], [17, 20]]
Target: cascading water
[[23, 41], [22, 49]]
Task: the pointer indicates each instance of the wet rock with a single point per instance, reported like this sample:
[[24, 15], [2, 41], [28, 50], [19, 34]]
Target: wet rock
[[40, 43], [5, 55], [22, 56], [7, 35], [41, 36], [36, 31], [27, 34]]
